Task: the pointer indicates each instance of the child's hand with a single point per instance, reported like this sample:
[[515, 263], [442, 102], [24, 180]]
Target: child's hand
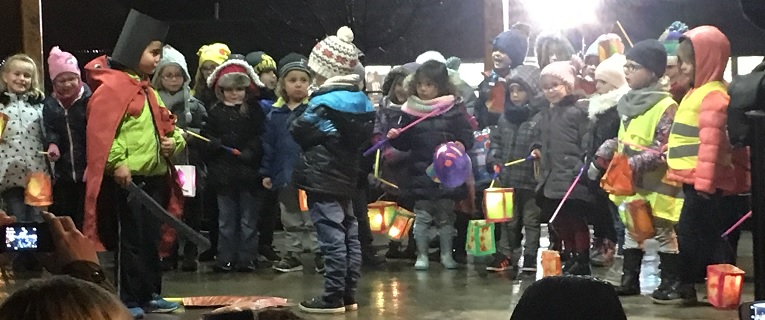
[[53, 152], [267, 183], [394, 133], [536, 154], [122, 175], [167, 146]]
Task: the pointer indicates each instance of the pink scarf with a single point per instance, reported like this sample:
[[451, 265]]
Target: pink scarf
[[420, 108]]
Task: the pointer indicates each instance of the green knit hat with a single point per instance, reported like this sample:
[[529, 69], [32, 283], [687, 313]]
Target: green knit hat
[[671, 40]]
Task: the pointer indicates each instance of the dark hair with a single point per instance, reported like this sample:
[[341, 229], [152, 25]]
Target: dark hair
[[437, 73], [570, 298]]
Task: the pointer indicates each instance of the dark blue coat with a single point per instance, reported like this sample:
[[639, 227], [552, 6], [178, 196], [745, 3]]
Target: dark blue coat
[[66, 129], [280, 151]]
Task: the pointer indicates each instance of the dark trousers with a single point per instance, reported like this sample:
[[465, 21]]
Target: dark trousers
[[570, 225], [338, 233], [526, 217], [138, 267], [210, 216], [702, 221], [238, 225], [193, 210], [269, 215], [602, 217], [16, 207], [360, 201], [69, 200]]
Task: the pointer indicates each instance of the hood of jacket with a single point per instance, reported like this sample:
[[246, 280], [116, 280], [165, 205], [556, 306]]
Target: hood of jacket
[[712, 50], [343, 100], [552, 43], [600, 103]]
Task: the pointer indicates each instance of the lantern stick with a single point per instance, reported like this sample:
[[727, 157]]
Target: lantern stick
[[377, 163], [233, 151], [386, 182], [438, 109], [737, 224], [494, 179], [626, 36], [514, 162], [568, 193], [42, 152]]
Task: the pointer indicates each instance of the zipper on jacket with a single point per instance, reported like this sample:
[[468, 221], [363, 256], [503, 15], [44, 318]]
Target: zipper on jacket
[[71, 144]]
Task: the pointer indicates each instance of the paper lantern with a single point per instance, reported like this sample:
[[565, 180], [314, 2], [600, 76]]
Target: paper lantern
[[380, 214], [498, 204], [451, 165], [400, 223], [640, 220], [480, 240], [187, 177], [38, 191], [724, 282], [303, 200], [3, 123], [551, 263]]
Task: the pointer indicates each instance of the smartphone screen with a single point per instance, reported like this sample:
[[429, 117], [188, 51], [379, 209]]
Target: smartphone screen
[[27, 237]]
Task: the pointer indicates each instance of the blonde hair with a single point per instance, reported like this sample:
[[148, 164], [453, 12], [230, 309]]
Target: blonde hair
[[35, 88], [62, 298]]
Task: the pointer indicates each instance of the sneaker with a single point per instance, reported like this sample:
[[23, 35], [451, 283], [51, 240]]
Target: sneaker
[[350, 304], [137, 312], [289, 263], [318, 305], [160, 305], [372, 260], [270, 254], [319, 261], [529, 264], [500, 263], [222, 268]]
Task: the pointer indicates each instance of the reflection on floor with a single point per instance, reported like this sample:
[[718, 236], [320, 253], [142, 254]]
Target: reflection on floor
[[396, 291]]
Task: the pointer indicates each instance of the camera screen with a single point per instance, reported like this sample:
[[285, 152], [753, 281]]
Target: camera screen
[[21, 238]]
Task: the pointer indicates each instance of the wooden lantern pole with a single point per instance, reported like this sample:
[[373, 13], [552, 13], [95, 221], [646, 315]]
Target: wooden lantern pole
[[31, 27], [493, 24]]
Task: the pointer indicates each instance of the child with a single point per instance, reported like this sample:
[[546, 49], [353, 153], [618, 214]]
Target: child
[[647, 111], [604, 125], [172, 83], [210, 57], [679, 85], [552, 46], [265, 67], [132, 141], [281, 153], [700, 157], [605, 46], [331, 132], [21, 99], [64, 117], [560, 147], [430, 88], [510, 49], [234, 123], [510, 141]]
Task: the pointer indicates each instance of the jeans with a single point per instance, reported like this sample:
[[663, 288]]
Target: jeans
[[69, 200], [299, 232], [15, 205], [238, 225], [338, 233], [526, 216], [360, 201]]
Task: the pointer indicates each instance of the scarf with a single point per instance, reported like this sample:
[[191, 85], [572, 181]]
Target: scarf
[[637, 102], [600, 103], [517, 115], [67, 101], [178, 104], [420, 108]]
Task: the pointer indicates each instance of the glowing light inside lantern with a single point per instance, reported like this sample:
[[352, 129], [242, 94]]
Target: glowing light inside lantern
[[724, 283], [400, 224], [376, 221], [380, 214], [498, 204]]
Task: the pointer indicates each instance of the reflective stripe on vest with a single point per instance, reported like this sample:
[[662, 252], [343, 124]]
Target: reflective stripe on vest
[[683, 143], [664, 197]]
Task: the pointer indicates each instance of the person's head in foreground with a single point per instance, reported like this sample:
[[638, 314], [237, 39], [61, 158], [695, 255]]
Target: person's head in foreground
[[569, 298]]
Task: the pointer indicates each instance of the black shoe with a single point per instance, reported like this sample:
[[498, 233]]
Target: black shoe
[[670, 279], [189, 264], [630, 285], [460, 257], [319, 261], [394, 254], [529, 263], [318, 305], [350, 304], [372, 260], [249, 266], [578, 265], [289, 263], [168, 264], [222, 268], [679, 293], [270, 254], [499, 264], [207, 256]]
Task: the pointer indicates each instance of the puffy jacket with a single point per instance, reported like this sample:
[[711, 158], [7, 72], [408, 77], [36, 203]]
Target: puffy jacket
[[331, 133], [236, 130], [280, 152], [422, 140], [22, 139], [66, 129]]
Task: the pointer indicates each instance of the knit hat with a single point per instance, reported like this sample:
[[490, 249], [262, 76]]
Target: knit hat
[[236, 56], [261, 62], [137, 33], [671, 39], [651, 55], [216, 52], [611, 71], [234, 73], [430, 55], [553, 43], [514, 43], [563, 70], [528, 77], [335, 55], [170, 56], [293, 61], [605, 46], [453, 63], [60, 62]]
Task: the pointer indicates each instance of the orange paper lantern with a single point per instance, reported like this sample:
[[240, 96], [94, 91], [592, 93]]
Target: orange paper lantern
[[400, 223], [640, 223], [3, 123], [303, 200], [38, 191], [551, 263], [498, 204], [380, 214], [724, 282], [497, 94]]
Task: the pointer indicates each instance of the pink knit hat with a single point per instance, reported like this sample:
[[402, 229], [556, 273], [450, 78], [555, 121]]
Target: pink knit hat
[[563, 70], [60, 62]]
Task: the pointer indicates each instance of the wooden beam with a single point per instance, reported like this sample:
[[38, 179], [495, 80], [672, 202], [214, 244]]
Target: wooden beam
[[31, 27], [493, 25]]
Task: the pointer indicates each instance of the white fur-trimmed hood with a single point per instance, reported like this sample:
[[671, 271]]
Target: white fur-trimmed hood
[[601, 103]]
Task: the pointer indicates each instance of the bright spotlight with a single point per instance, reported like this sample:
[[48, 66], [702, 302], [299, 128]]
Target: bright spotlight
[[561, 14]]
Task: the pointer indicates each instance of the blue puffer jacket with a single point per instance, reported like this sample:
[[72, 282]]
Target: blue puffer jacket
[[281, 152]]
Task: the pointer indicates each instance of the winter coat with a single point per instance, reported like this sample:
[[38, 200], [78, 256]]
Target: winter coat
[[387, 117], [66, 129], [481, 111], [22, 140], [231, 128], [561, 137], [719, 165], [331, 133], [422, 140], [604, 119], [280, 152]]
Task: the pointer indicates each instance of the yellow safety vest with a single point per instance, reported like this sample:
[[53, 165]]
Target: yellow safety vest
[[665, 197], [683, 143]]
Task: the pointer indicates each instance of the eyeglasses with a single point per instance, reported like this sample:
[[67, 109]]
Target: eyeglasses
[[172, 76], [632, 67], [554, 88]]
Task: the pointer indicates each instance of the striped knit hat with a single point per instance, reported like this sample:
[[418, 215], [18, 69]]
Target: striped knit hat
[[335, 55], [671, 39]]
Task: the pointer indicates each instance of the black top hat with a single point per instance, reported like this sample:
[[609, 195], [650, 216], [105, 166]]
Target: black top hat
[[137, 33]]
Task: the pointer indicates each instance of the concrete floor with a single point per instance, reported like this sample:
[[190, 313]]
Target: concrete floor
[[396, 291]]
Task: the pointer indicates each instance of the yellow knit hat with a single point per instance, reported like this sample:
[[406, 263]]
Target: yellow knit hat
[[216, 52]]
